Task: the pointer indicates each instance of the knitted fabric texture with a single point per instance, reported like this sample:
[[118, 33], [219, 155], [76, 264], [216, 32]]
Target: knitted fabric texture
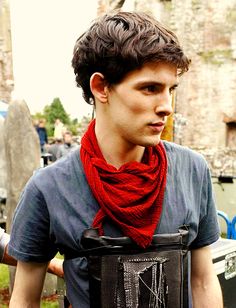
[[131, 196]]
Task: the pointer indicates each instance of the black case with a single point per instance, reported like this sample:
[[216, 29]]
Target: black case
[[224, 260], [119, 271]]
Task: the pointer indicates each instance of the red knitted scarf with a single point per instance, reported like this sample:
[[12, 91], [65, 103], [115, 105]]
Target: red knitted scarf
[[132, 195]]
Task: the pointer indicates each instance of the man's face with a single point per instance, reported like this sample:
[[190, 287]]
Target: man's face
[[68, 138], [138, 106]]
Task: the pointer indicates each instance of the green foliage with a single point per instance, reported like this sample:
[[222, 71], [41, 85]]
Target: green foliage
[[216, 56], [51, 113], [231, 16], [82, 126], [50, 129], [56, 111], [4, 282], [49, 304], [4, 277], [59, 256], [38, 115], [168, 5]]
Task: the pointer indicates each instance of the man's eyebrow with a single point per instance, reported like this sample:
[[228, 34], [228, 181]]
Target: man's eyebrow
[[154, 82]]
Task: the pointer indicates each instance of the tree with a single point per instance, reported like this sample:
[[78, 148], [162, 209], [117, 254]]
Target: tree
[[53, 112], [56, 111], [83, 125]]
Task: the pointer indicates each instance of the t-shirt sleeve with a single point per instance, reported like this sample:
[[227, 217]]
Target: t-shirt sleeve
[[31, 239], [208, 229]]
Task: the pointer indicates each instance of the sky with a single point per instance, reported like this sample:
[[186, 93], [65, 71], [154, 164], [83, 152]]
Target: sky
[[43, 37]]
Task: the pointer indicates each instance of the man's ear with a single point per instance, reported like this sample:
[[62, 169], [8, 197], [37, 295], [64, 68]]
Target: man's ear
[[98, 87]]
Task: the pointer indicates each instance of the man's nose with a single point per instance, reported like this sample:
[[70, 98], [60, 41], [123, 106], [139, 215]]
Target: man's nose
[[164, 105]]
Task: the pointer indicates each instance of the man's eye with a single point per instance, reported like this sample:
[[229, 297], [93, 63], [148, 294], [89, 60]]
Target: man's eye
[[151, 88]]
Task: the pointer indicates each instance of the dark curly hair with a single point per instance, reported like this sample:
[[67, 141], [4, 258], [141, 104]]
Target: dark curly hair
[[118, 43]]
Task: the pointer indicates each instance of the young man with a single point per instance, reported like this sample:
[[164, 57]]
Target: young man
[[67, 146], [124, 180], [53, 149], [55, 266]]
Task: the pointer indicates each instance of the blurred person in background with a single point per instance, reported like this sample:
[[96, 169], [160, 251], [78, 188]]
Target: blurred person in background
[[59, 129], [43, 136], [67, 146], [53, 149]]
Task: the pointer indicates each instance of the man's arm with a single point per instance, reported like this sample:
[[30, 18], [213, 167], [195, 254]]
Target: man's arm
[[55, 266], [28, 284], [206, 291]]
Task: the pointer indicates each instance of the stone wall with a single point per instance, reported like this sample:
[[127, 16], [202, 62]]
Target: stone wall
[[207, 92], [3, 171], [206, 96], [6, 71], [221, 160], [22, 152]]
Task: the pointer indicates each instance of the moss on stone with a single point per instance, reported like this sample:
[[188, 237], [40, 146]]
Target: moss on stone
[[217, 56], [168, 5], [231, 16]]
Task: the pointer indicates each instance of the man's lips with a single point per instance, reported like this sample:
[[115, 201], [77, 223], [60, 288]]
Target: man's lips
[[157, 126]]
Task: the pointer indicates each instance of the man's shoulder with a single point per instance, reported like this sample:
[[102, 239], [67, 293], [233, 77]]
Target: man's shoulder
[[183, 154], [62, 168], [175, 148]]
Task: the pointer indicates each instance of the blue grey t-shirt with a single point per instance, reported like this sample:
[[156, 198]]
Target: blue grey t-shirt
[[57, 205]]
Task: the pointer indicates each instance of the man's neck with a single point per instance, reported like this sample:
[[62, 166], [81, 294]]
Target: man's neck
[[116, 152]]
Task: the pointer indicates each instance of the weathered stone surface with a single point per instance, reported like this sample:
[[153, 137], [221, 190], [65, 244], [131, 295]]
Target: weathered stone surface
[[207, 92], [3, 167], [22, 150], [221, 160], [23, 157], [206, 30], [6, 71]]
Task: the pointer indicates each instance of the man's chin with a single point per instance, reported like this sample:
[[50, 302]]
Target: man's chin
[[152, 143]]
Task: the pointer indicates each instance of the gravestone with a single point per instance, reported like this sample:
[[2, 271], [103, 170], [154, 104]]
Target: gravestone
[[23, 158], [3, 174], [22, 151], [3, 170]]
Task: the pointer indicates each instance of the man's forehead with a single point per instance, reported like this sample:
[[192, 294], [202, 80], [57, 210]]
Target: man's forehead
[[155, 72]]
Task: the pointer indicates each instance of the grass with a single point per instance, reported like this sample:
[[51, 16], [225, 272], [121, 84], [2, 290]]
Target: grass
[[4, 276], [51, 304], [4, 282]]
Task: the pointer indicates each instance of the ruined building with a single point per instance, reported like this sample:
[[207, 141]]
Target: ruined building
[[206, 99], [205, 105], [6, 71]]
